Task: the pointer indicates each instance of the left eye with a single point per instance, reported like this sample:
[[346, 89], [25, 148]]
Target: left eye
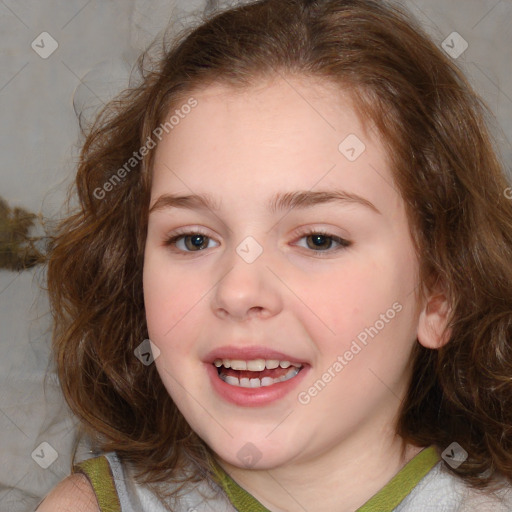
[[323, 242], [190, 242]]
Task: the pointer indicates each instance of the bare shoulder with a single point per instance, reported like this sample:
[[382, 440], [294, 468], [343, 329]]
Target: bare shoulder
[[73, 494]]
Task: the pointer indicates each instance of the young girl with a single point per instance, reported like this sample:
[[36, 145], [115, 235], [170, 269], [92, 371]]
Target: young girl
[[301, 208]]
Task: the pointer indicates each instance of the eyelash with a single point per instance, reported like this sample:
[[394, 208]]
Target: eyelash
[[342, 243]]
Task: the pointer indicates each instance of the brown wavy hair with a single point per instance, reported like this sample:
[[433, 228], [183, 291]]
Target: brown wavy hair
[[445, 165]]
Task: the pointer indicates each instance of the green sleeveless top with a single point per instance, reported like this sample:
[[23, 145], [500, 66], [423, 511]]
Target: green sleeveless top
[[99, 473]]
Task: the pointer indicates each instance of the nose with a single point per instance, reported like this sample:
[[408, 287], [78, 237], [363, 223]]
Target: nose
[[246, 290]]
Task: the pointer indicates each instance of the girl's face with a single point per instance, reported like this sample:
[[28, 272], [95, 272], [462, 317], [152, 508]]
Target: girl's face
[[276, 234]]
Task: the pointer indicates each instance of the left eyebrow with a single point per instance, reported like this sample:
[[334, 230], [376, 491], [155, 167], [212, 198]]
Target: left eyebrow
[[279, 202], [308, 199]]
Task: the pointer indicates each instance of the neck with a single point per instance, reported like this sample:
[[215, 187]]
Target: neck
[[340, 480]]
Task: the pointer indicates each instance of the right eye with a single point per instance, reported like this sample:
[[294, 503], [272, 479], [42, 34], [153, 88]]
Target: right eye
[[190, 242]]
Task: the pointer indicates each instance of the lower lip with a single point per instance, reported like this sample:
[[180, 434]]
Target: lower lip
[[253, 397]]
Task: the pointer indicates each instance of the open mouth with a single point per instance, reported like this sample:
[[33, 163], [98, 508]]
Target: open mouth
[[256, 373]]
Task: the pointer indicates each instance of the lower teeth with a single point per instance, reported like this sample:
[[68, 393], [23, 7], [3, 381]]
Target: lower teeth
[[256, 382]]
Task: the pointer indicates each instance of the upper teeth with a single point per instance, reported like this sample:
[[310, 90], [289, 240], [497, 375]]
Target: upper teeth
[[254, 365]]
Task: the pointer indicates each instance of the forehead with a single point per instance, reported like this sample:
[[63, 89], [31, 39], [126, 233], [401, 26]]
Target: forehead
[[291, 105], [290, 132]]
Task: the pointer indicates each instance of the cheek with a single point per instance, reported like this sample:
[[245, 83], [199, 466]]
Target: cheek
[[341, 304], [170, 296], [346, 292]]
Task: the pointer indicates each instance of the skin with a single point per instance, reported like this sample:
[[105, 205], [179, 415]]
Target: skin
[[242, 148]]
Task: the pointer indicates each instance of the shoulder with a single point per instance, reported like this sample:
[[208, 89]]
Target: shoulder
[[441, 490], [73, 494], [496, 498]]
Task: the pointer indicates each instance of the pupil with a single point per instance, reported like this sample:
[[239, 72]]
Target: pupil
[[197, 241], [320, 241]]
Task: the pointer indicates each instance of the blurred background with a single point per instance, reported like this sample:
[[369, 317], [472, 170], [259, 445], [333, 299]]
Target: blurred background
[[60, 58]]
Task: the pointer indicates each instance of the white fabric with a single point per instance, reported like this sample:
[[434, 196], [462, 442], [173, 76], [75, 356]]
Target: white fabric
[[439, 491], [136, 498]]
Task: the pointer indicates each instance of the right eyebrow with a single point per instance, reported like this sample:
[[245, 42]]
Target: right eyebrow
[[192, 202]]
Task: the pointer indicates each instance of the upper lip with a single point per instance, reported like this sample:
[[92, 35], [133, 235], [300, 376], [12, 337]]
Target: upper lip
[[248, 353]]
